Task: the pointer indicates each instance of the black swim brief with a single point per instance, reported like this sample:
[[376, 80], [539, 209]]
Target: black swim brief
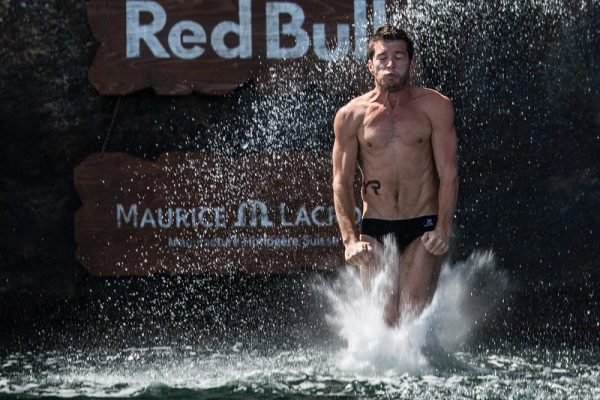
[[404, 230]]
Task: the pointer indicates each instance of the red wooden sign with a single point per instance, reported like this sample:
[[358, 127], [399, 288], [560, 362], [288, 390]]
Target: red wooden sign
[[213, 46], [189, 212]]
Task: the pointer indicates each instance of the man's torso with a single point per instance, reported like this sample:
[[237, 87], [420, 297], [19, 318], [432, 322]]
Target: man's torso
[[396, 157]]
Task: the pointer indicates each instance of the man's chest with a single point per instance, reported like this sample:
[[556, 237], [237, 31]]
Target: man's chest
[[404, 125]]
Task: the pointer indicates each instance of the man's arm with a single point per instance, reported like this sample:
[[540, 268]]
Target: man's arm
[[345, 152], [444, 145]]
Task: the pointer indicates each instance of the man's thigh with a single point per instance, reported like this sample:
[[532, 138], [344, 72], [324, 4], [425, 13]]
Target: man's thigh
[[420, 272]]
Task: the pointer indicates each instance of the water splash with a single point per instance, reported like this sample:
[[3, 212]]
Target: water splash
[[461, 300]]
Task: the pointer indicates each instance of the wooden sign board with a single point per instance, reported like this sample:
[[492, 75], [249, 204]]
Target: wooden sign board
[[213, 46], [191, 212]]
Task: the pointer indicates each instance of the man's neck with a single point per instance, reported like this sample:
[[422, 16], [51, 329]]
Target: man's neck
[[392, 99]]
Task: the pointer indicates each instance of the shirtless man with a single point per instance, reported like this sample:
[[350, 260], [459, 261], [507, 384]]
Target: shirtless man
[[404, 140]]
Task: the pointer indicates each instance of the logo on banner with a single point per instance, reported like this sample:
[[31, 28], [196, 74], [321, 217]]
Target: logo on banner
[[188, 39], [251, 213], [179, 47], [139, 217]]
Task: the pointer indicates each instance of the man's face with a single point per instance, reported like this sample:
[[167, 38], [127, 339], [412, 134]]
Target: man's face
[[390, 65]]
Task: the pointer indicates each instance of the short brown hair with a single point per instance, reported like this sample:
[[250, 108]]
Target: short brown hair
[[390, 32]]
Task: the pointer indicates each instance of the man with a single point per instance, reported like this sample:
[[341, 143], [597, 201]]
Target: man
[[403, 138]]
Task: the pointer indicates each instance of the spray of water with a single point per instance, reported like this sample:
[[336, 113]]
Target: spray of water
[[461, 300]]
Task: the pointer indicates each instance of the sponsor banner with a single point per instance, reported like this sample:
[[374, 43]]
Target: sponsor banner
[[213, 46], [191, 212]]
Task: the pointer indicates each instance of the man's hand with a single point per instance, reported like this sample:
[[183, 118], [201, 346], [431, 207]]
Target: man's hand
[[435, 242], [358, 253]]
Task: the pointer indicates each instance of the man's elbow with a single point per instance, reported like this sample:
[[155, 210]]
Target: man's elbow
[[449, 178], [340, 185]]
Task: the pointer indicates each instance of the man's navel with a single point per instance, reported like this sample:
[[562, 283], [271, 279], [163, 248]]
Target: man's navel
[[396, 201]]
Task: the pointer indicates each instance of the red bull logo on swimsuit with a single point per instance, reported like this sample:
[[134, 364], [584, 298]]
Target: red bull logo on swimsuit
[[213, 46]]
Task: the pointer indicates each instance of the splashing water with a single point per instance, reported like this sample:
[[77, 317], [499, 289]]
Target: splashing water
[[373, 346], [376, 362]]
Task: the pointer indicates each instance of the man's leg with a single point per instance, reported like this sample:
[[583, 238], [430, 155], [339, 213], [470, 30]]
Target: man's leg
[[415, 283]]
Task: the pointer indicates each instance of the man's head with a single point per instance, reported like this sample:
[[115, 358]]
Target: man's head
[[390, 54], [390, 33]]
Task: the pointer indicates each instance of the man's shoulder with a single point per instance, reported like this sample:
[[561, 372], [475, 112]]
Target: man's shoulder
[[358, 103], [351, 115], [428, 95], [433, 103], [356, 107]]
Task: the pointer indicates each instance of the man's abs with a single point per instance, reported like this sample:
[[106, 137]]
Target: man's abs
[[389, 200]]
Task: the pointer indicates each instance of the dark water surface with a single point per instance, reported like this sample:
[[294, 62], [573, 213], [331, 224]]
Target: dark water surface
[[244, 371]]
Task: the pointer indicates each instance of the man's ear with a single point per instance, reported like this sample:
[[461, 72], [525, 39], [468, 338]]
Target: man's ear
[[370, 66], [414, 70]]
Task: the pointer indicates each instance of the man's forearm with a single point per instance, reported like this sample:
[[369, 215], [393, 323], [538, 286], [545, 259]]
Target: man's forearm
[[447, 196], [344, 202]]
